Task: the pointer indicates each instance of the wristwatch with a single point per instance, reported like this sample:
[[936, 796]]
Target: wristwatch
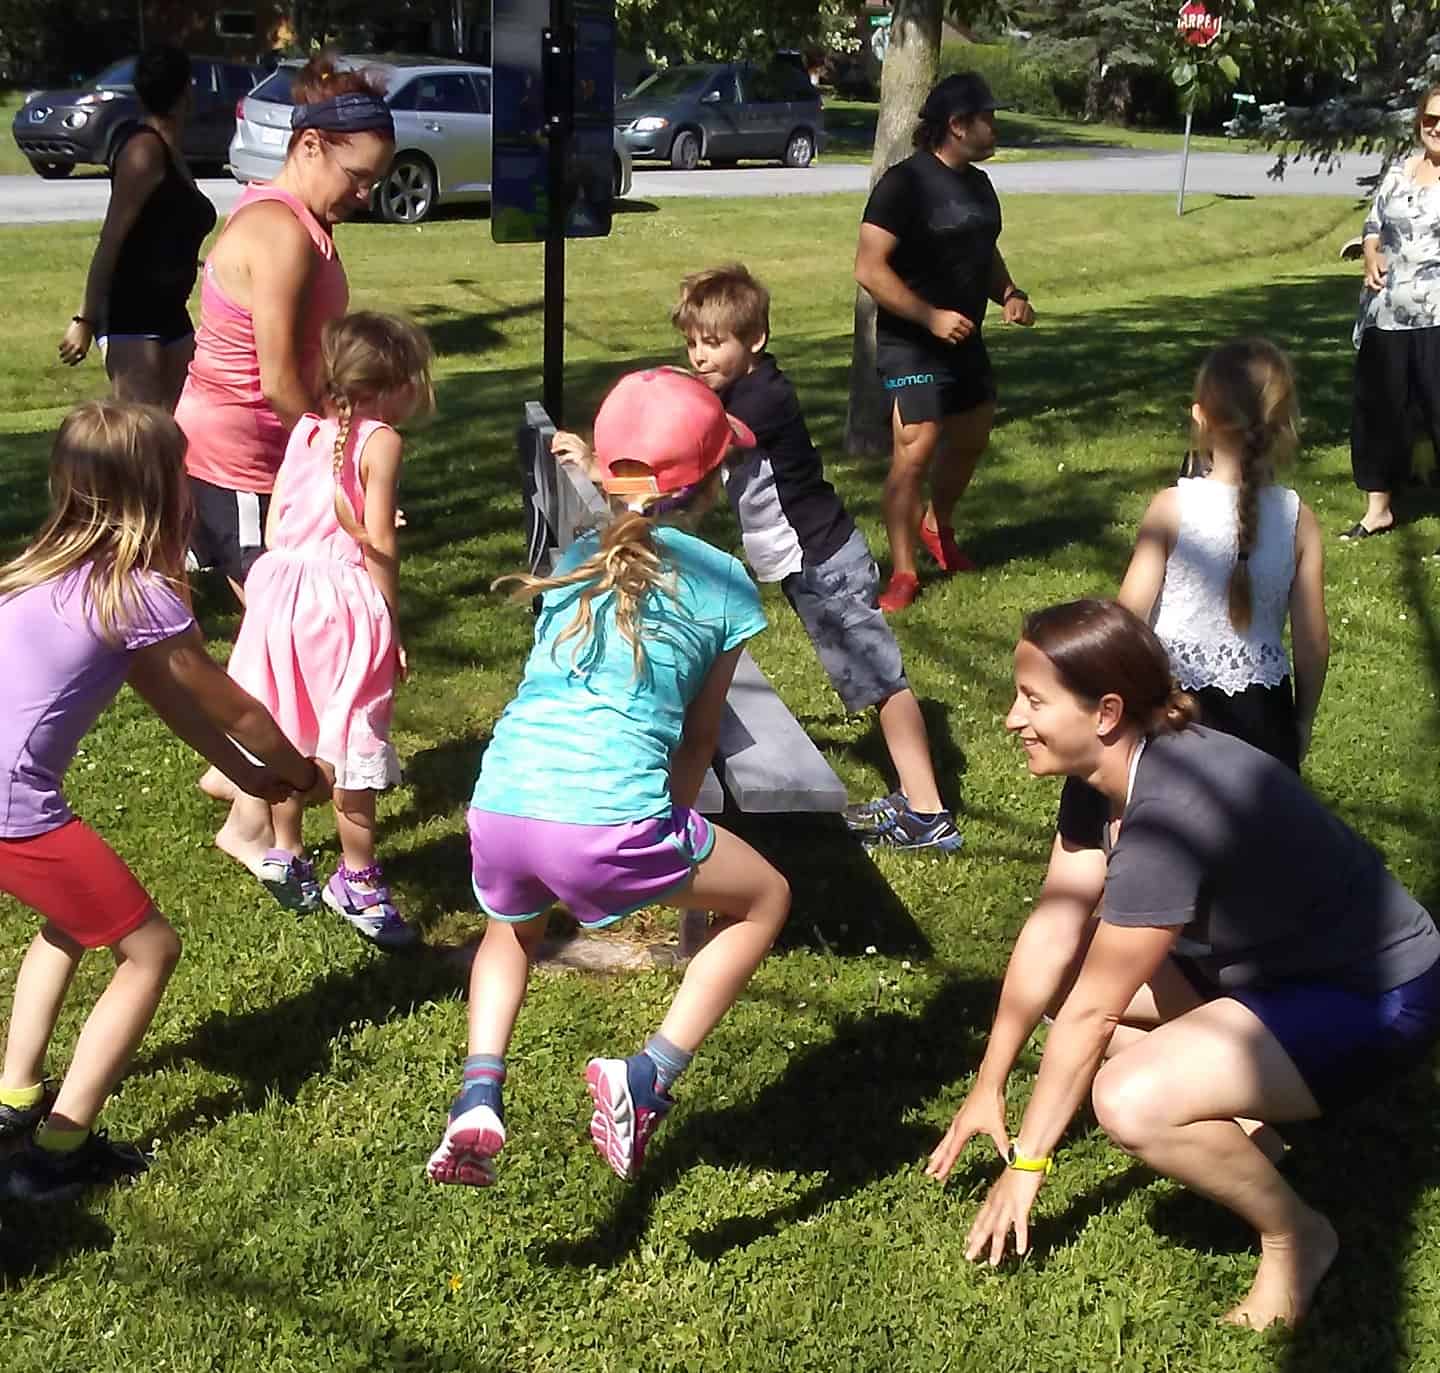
[[1013, 292]]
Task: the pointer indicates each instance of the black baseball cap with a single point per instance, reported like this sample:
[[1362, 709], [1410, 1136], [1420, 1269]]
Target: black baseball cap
[[964, 93]]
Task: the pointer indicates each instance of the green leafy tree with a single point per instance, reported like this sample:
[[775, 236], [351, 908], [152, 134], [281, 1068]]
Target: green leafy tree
[[728, 30]]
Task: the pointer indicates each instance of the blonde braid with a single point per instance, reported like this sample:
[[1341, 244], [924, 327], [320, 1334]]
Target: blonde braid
[[627, 563], [344, 512]]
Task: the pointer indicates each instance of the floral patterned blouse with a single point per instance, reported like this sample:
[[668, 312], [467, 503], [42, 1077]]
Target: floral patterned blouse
[[1406, 218]]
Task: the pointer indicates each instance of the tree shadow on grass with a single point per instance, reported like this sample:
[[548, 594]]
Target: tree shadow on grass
[[843, 1111], [36, 1239], [276, 1049]]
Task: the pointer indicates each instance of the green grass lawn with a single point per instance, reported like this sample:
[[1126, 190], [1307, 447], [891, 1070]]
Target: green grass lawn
[[295, 1079], [850, 125]]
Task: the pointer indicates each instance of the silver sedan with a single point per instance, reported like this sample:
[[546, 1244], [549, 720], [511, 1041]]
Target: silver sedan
[[442, 134]]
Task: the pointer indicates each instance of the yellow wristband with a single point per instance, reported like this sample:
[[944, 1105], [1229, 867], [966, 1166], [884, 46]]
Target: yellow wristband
[[1021, 1164]]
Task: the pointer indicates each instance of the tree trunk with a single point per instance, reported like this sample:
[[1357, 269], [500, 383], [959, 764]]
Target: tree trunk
[[905, 81]]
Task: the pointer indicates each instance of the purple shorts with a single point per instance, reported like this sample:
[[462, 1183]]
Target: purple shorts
[[603, 873]]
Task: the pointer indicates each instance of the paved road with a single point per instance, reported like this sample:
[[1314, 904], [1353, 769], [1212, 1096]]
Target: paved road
[[29, 200]]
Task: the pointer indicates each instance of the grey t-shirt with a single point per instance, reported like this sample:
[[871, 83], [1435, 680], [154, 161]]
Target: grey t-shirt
[[1266, 884]]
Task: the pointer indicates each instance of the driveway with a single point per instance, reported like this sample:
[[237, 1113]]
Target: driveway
[[30, 200]]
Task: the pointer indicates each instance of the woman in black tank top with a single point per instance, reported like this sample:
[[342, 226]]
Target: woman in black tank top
[[145, 263]]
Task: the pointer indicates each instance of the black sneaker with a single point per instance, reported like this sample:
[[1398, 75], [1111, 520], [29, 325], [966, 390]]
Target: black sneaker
[[20, 1120], [37, 1174], [904, 829]]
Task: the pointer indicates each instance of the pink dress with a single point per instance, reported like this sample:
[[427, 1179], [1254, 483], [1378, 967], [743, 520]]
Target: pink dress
[[235, 439], [317, 645]]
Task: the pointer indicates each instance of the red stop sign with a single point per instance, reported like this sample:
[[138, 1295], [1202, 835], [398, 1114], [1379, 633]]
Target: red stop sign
[[1196, 25]]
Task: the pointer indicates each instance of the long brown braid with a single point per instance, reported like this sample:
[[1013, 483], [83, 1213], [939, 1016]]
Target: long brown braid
[[379, 366], [1246, 392]]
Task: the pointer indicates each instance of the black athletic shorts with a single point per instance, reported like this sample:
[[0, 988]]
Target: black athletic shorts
[[931, 383], [229, 530]]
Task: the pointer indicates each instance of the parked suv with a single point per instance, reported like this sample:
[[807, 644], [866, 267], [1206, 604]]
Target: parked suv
[[442, 134], [57, 129], [723, 112]]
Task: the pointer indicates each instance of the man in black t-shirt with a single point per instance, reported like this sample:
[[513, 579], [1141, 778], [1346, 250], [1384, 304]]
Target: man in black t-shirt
[[928, 254]]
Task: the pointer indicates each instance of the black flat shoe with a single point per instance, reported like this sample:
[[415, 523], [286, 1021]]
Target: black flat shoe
[[1358, 531]]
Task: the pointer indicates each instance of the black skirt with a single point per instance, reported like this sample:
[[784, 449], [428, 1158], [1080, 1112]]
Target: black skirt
[[1263, 716]]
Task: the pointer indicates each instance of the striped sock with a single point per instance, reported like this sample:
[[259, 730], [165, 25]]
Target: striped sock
[[480, 1083], [669, 1060]]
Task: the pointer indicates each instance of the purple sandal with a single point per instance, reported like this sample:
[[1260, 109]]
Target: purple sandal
[[372, 912], [290, 879]]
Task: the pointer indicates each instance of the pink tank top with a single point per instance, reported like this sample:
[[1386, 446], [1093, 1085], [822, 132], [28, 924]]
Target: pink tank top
[[236, 440], [304, 516]]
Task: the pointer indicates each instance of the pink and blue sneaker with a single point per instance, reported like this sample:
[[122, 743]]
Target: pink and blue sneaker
[[474, 1134], [629, 1107]]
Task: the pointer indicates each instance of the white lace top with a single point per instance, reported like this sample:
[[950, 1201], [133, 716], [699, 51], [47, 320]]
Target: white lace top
[[1192, 618]]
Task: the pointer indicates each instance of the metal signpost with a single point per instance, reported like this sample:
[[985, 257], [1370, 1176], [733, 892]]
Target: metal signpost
[[1198, 27], [553, 157]]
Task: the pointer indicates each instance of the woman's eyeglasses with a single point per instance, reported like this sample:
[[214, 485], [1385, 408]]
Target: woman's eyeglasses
[[1429, 121]]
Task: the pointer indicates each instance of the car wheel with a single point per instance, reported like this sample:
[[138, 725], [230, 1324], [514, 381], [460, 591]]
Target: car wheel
[[53, 171], [685, 151], [799, 149], [407, 195]]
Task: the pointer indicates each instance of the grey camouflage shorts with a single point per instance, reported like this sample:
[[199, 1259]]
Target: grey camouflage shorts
[[835, 601]]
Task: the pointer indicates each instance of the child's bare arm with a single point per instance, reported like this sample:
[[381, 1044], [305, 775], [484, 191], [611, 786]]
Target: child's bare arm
[[702, 731], [380, 480], [1146, 574], [571, 448], [1309, 626], [206, 708]]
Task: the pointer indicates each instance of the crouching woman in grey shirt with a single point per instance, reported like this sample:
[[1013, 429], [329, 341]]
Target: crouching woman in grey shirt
[[1231, 953]]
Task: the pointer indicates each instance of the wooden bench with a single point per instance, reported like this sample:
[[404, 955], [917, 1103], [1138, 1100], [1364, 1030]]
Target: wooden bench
[[764, 759]]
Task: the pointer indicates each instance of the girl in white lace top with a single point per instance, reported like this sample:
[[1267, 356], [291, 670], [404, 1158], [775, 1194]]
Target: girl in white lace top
[[1221, 559]]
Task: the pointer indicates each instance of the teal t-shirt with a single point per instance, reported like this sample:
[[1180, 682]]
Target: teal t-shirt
[[587, 740]]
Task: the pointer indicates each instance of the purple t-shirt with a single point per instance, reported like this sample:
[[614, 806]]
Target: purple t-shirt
[[60, 674]]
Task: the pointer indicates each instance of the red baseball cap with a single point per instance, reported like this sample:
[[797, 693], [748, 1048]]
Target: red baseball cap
[[672, 423]]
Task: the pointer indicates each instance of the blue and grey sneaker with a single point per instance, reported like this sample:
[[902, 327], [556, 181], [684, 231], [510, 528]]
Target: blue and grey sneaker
[[904, 829], [865, 817], [21, 1120]]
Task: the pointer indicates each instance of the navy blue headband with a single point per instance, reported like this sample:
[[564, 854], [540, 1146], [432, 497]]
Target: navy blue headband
[[355, 112]]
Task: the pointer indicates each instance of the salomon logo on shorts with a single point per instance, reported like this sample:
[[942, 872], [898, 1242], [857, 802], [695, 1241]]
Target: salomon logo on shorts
[[914, 379]]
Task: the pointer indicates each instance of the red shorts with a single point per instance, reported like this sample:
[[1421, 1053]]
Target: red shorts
[[75, 880]]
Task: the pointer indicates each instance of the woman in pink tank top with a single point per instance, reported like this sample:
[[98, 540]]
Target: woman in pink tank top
[[270, 285]]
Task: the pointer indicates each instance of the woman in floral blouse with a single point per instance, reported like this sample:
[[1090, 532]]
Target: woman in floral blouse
[[1397, 373]]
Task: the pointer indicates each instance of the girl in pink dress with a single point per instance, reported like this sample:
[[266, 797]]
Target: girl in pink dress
[[320, 642]]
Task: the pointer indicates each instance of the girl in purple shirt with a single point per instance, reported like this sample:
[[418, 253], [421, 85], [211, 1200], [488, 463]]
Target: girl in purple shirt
[[98, 599]]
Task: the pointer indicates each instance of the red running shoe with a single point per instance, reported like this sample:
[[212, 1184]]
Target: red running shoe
[[940, 544], [903, 589]]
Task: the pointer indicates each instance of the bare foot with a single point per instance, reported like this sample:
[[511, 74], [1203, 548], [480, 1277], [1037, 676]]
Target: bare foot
[[216, 785], [247, 845], [1291, 1267]]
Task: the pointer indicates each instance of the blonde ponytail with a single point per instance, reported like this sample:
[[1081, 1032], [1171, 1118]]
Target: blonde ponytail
[[344, 511], [627, 563]]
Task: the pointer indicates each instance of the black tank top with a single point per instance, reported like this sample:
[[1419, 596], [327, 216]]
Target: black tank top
[[158, 262]]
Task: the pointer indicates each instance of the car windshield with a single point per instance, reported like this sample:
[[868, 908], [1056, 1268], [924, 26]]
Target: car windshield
[[672, 82], [117, 76], [276, 88]]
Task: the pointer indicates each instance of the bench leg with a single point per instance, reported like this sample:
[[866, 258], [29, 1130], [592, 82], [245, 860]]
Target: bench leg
[[694, 931]]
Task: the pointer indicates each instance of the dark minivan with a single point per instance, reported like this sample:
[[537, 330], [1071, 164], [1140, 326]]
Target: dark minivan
[[723, 112], [57, 129]]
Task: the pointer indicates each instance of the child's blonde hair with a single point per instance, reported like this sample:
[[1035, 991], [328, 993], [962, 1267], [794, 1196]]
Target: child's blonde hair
[[1246, 392], [628, 562], [723, 300], [119, 503], [368, 359]]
